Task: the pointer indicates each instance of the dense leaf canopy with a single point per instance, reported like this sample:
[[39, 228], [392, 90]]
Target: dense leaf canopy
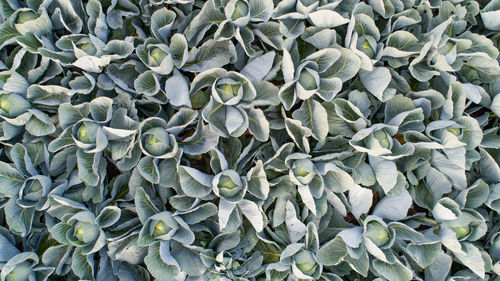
[[249, 140]]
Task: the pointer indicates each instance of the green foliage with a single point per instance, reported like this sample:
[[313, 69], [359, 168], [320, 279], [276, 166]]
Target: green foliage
[[249, 140]]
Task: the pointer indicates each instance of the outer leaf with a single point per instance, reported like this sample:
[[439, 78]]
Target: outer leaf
[[201, 141], [177, 90], [251, 211], [327, 19], [258, 124], [426, 253], [259, 67], [211, 54], [194, 183], [346, 67], [394, 207], [446, 209], [296, 229], [385, 172], [144, 207], [472, 258], [360, 199], [88, 165], [10, 180], [160, 262], [376, 81], [439, 269], [147, 83], [148, 168], [393, 272], [313, 116], [82, 265], [490, 15], [108, 216], [332, 252], [19, 219]]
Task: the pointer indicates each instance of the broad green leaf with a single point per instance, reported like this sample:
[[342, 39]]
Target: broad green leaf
[[18, 219], [201, 141], [394, 207], [296, 229], [145, 208], [298, 133], [208, 16], [346, 67], [259, 67], [267, 93], [101, 109], [65, 139], [211, 54], [258, 184], [9, 250], [39, 124], [69, 114], [488, 167], [376, 82], [472, 258], [446, 209], [490, 15], [8, 34], [313, 116], [148, 168], [425, 253], [177, 90], [199, 213], [385, 172], [108, 216], [68, 16], [384, 7], [336, 179], [82, 265], [88, 164], [365, 25], [189, 260], [327, 19], [401, 44], [480, 68], [332, 252], [48, 95], [194, 183], [495, 105], [147, 83], [439, 269], [392, 272], [251, 211], [10, 180], [261, 10], [161, 23], [360, 199], [258, 124]]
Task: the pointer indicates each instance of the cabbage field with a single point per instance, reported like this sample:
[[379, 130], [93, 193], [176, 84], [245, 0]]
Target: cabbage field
[[249, 140]]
